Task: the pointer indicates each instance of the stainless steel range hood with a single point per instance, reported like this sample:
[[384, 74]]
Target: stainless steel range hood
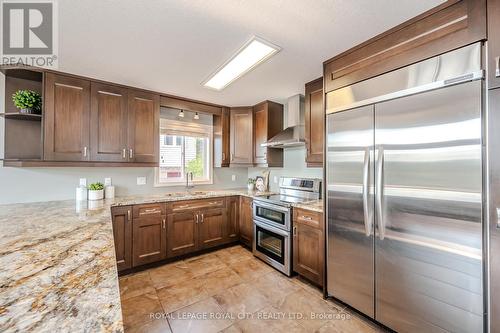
[[293, 134]]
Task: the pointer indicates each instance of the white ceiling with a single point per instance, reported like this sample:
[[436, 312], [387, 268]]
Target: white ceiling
[[171, 46]]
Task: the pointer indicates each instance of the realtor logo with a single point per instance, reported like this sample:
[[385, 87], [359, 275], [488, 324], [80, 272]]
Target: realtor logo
[[29, 33]]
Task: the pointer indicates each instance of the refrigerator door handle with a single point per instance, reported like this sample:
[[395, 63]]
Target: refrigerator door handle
[[366, 192], [379, 192]]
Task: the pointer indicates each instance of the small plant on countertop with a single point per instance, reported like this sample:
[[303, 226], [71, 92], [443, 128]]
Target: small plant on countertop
[[251, 184], [28, 101], [96, 186], [251, 181]]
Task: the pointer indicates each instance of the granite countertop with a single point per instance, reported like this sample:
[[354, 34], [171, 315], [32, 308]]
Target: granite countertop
[[313, 205], [58, 267]]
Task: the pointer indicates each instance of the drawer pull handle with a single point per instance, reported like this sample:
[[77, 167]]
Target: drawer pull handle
[[164, 225], [149, 211], [497, 66], [307, 218]]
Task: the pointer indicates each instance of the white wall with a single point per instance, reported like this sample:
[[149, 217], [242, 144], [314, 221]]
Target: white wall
[[46, 184], [294, 165]]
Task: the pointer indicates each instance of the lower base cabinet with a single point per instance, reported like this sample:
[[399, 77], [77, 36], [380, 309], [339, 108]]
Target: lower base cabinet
[[122, 234], [182, 236], [246, 221], [308, 245], [149, 233]]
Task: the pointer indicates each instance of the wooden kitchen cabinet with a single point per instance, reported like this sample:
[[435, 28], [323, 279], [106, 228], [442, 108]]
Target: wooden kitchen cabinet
[[493, 43], [143, 126], [308, 244], [182, 231], [246, 221], [67, 117], [222, 138], [314, 123], [122, 235], [108, 123], [268, 121], [149, 233], [241, 136], [233, 215], [212, 227]]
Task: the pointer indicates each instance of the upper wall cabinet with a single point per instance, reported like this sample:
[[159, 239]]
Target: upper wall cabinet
[[143, 126], [241, 133], [441, 29], [494, 43], [67, 116], [222, 138], [108, 123], [314, 123], [268, 121]]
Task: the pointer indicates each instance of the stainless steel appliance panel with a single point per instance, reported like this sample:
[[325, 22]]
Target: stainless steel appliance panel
[[278, 216], [428, 208], [272, 245], [350, 205]]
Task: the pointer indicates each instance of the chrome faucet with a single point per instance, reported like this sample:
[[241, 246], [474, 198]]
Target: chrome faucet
[[188, 183]]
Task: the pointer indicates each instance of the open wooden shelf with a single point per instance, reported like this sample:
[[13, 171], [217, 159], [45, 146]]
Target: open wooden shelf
[[22, 116], [34, 163]]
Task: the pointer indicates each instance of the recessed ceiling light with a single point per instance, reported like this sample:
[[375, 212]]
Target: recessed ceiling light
[[254, 52]]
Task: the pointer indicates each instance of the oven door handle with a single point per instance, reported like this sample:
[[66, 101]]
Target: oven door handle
[[281, 209], [271, 228]]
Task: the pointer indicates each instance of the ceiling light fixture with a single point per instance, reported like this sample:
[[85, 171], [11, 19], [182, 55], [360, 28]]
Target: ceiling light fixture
[[196, 116], [254, 52], [181, 114]]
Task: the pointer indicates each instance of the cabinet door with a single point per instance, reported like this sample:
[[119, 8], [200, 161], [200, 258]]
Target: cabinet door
[[149, 239], [241, 133], [108, 123], [221, 138], [493, 43], [122, 234], [308, 252], [260, 133], [143, 126], [212, 227], [314, 123], [67, 114], [246, 221], [233, 213], [182, 233]]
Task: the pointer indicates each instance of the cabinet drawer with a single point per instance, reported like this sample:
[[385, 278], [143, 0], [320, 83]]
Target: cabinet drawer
[[197, 204], [149, 210], [304, 216]]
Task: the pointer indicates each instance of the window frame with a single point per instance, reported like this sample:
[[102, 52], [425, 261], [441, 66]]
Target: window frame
[[192, 130]]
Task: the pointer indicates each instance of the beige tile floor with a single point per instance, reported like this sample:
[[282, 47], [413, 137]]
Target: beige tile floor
[[229, 291]]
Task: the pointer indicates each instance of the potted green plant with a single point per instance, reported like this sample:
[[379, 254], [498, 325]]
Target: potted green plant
[[96, 191], [27, 101], [251, 184]]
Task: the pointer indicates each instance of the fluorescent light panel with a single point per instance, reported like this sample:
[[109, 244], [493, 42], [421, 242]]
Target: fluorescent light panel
[[249, 56]]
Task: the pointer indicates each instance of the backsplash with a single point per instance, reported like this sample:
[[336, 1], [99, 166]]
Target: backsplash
[[46, 184], [294, 166]]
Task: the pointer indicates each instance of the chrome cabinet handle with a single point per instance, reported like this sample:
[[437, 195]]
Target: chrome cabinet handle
[[164, 225], [295, 231], [131, 153], [202, 218], [366, 193], [307, 218], [85, 151], [197, 219], [223, 156], [128, 214], [497, 66], [232, 157], [380, 192], [124, 153]]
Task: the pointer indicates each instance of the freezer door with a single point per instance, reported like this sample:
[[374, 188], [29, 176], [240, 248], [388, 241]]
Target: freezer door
[[428, 210], [350, 207]]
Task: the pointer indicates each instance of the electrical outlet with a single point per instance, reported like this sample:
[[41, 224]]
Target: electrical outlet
[[83, 182], [107, 181], [275, 179], [141, 180], [233, 177]]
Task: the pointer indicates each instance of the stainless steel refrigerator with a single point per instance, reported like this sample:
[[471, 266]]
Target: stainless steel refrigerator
[[405, 195]]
